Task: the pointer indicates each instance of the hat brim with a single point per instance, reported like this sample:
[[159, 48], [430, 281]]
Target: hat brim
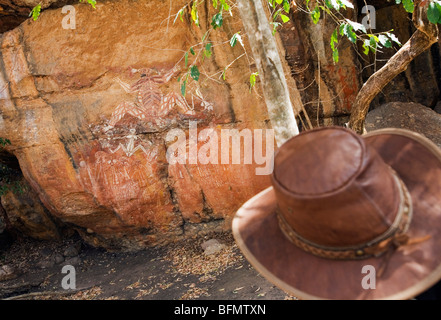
[[409, 271]]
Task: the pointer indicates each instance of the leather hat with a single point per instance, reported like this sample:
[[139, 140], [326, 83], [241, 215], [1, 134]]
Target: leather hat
[[348, 216]]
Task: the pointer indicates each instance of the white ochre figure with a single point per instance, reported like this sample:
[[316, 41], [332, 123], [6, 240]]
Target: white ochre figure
[[151, 102], [130, 149]]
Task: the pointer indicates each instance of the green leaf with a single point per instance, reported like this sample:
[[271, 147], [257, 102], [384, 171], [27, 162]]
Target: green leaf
[[253, 79], [194, 72], [276, 14], [286, 6], [186, 59], [315, 14], [35, 12], [223, 73], [225, 5], [279, 1], [349, 33], [347, 3], [194, 14], [408, 5], [192, 51], [275, 26], [366, 46], [356, 26], [384, 40], [334, 39], [373, 43], [179, 14], [184, 87], [233, 39], [236, 37], [217, 20], [335, 56], [215, 4], [341, 28], [92, 3], [334, 4], [4, 142], [285, 18], [207, 51], [434, 12], [393, 38]]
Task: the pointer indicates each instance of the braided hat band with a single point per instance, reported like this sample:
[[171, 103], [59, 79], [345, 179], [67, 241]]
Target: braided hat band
[[394, 237]]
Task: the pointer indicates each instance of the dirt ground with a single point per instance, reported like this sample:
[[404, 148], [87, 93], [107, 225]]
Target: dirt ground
[[181, 271]]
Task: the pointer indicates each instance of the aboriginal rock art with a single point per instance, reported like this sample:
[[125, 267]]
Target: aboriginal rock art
[[116, 176], [130, 148], [123, 167], [151, 104]]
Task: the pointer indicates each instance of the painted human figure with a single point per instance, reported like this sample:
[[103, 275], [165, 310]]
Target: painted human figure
[[151, 102], [132, 137]]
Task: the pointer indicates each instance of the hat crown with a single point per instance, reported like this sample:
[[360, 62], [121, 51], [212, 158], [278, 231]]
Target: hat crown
[[333, 189], [321, 161]]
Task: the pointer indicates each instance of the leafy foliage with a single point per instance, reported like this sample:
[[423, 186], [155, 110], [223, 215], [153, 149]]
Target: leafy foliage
[[434, 12], [35, 12], [408, 5], [10, 178], [91, 2], [279, 13], [253, 77], [353, 30], [279, 10], [4, 142]]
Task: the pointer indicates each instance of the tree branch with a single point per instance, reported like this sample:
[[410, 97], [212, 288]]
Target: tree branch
[[422, 39], [270, 69]]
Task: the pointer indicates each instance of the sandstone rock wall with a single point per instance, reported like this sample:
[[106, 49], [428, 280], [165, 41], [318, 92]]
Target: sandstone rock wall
[[328, 89], [97, 155], [89, 112]]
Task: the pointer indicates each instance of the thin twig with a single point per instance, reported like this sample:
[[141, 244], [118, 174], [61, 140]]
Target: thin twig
[[45, 293]]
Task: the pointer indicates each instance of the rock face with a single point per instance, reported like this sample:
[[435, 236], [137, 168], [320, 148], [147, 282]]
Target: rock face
[[90, 113], [328, 89], [14, 12], [27, 215], [412, 116]]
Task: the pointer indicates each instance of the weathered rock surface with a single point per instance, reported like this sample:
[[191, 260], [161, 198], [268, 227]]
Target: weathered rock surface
[[328, 89], [14, 12], [437, 108], [412, 116], [95, 154], [27, 214]]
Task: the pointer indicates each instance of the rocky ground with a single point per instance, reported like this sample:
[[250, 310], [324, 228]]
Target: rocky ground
[[209, 267]]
